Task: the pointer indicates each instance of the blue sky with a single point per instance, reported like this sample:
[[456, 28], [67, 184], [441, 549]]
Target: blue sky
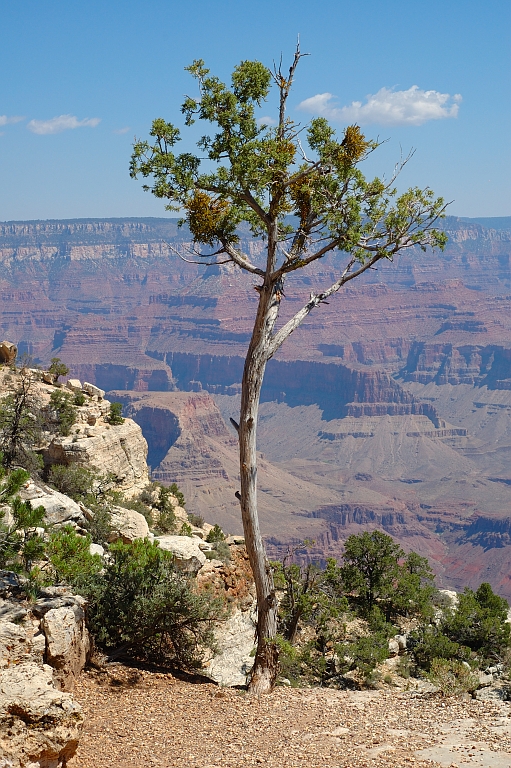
[[80, 79]]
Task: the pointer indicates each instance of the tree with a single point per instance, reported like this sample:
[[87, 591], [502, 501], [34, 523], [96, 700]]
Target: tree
[[115, 414], [20, 424], [57, 368], [64, 411], [371, 568], [262, 175]]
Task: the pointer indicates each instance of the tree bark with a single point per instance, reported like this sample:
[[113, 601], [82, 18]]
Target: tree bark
[[265, 669]]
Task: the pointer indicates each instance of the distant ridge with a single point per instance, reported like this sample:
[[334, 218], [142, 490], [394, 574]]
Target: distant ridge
[[491, 222]]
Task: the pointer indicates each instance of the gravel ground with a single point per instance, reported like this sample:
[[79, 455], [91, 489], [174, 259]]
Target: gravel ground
[[137, 718]]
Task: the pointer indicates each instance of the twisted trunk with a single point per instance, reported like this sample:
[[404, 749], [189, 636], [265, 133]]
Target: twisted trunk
[[264, 671]]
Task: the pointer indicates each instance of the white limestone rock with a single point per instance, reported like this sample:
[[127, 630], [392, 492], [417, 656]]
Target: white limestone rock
[[187, 553], [93, 391], [59, 508], [39, 726], [235, 640], [67, 644], [75, 385], [128, 525]]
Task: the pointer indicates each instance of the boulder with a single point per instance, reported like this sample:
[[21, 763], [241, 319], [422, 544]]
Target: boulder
[[401, 640], [128, 525], [235, 640], [8, 352], [96, 549], [20, 642], [67, 643], [93, 391], [60, 509], [75, 385], [187, 553], [393, 647], [39, 726]]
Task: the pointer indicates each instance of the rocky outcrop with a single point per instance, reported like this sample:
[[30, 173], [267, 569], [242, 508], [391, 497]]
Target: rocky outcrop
[[59, 508], [43, 648], [8, 352], [188, 556], [39, 725]]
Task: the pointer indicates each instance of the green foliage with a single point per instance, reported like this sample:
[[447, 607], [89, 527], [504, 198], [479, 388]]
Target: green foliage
[[20, 424], [115, 414], [429, 643], [142, 607], [453, 678], [376, 572], [366, 653], [186, 530], [311, 595], [215, 534], [480, 622], [177, 493], [196, 520], [58, 368], [166, 522], [70, 558], [222, 551], [79, 399], [73, 480], [246, 172], [21, 542], [371, 568], [63, 411]]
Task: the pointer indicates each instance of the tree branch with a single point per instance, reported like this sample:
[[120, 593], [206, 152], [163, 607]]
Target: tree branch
[[315, 299], [241, 259]]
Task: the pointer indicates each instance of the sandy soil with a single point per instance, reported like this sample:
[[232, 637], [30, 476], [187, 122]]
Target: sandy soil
[[137, 718]]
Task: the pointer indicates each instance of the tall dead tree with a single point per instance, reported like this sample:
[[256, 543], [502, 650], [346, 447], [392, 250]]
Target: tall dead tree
[[305, 203]]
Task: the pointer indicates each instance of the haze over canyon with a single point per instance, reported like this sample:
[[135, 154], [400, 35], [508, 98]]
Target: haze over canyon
[[389, 408]]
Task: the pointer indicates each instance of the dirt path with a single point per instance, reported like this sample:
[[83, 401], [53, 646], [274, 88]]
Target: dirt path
[[138, 719]]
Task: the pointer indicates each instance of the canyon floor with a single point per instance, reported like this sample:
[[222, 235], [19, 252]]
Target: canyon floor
[[140, 718]]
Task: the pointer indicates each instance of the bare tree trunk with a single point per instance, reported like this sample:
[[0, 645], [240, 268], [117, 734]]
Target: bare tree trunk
[[265, 669]]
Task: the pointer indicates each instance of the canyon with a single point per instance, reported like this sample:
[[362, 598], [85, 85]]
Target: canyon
[[389, 408]]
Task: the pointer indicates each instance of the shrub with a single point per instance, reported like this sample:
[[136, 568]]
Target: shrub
[[177, 493], [142, 607], [74, 480], [58, 368], [70, 558], [215, 534], [166, 518], [61, 405], [222, 551], [195, 520], [428, 644], [185, 530], [453, 678], [115, 414], [480, 622], [99, 527], [79, 399]]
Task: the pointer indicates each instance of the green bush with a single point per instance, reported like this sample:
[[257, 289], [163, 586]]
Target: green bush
[[177, 493], [185, 530], [222, 551], [142, 607], [63, 410], [215, 534], [196, 520], [480, 622], [430, 643], [453, 678], [115, 414], [79, 399], [58, 368], [70, 558], [166, 522], [73, 480]]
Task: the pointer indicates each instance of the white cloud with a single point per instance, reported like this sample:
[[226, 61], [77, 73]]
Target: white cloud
[[122, 130], [266, 121], [388, 107], [61, 123], [4, 120]]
